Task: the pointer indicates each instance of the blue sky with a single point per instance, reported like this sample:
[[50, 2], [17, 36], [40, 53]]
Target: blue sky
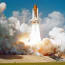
[[45, 6]]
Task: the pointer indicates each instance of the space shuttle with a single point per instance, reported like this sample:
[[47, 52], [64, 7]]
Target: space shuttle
[[35, 14], [35, 37]]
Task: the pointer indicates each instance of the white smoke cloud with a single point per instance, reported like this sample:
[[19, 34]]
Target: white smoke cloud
[[3, 26], [54, 19], [8, 31], [57, 36], [4, 34], [24, 19], [24, 16], [11, 27], [25, 27], [20, 22]]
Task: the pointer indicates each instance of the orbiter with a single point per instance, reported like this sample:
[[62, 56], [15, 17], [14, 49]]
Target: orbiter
[[35, 14]]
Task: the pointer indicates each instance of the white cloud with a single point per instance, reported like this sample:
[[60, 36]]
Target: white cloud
[[57, 36], [25, 27], [24, 16], [54, 19], [14, 25]]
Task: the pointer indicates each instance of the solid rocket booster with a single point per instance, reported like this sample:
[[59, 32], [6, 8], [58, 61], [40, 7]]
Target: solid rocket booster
[[35, 12]]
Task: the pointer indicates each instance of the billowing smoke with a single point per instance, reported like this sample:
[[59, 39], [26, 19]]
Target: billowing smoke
[[46, 47], [19, 25], [54, 19], [14, 25], [9, 30], [57, 36], [54, 43], [23, 16], [2, 7]]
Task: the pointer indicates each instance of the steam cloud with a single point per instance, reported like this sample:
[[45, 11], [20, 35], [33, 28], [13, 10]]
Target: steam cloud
[[57, 36], [54, 19], [20, 23]]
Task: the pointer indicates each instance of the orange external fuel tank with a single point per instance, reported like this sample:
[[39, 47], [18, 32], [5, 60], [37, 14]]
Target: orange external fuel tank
[[35, 10]]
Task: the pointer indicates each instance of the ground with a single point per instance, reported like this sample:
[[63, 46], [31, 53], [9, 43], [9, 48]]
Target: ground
[[25, 59]]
